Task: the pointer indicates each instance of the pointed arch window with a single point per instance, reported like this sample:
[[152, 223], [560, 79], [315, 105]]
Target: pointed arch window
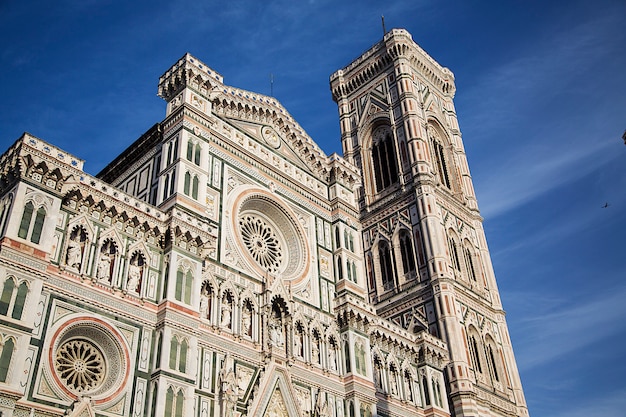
[[20, 301], [178, 354], [386, 268], [30, 229], [406, 250], [384, 158], [172, 151], [492, 362], [12, 299], [195, 184], [7, 295], [193, 152], [169, 402], [454, 253], [180, 401], [5, 358], [469, 263], [426, 390], [474, 353], [440, 161], [184, 285], [187, 185]]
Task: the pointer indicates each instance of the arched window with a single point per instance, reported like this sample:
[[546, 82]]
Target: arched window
[[7, 295], [440, 160], [172, 151], [178, 354], [386, 268], [180, 401], [173, 352], [195, 183], [184, 284], [20, 300], [346, 355], [339, 269], [157, 359], [196, 155], [5, 358], [193, 152], [169, 402], [182, 356], [11, 299], [30, 229], [384, 158], [426, 391], [172, 182], [474, 353], [491, 358], [454, 253], [469, 263], [187, 185], [437, 392], [370, 271], [406, 250], [337, 239]]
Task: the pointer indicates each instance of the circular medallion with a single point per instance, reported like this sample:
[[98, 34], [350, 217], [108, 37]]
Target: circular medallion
[[271, 137]]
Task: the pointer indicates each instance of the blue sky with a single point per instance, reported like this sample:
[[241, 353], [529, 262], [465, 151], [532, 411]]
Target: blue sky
[[541, 100]]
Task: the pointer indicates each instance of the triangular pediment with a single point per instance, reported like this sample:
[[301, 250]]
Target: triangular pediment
[[277, 397], [272, 141], [268, 122]]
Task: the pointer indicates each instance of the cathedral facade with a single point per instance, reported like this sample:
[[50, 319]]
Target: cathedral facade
[[224, 265]]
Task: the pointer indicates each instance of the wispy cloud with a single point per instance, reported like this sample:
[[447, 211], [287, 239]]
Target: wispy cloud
[[535, 170], [523, 111], [612, 404], [560, 327]]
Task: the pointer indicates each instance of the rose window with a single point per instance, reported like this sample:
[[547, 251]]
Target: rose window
[[262, 242], [270, 237], [88, 356], [80, 365]]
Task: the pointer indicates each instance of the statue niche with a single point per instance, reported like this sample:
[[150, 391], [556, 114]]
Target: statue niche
[[76, 248]]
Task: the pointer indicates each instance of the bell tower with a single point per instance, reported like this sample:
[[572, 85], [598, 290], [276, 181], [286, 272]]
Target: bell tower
[[426, 258]]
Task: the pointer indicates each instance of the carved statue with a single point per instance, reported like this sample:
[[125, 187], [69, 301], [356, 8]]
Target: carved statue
[[104, 266], [315, 351], [204, 304], [408, 390], [134, 275], [297, 342], [74, 253], [393, 377], [276, 332], [226, 314], [246, 322], [321, 406], [229, 391], [332, 358]]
